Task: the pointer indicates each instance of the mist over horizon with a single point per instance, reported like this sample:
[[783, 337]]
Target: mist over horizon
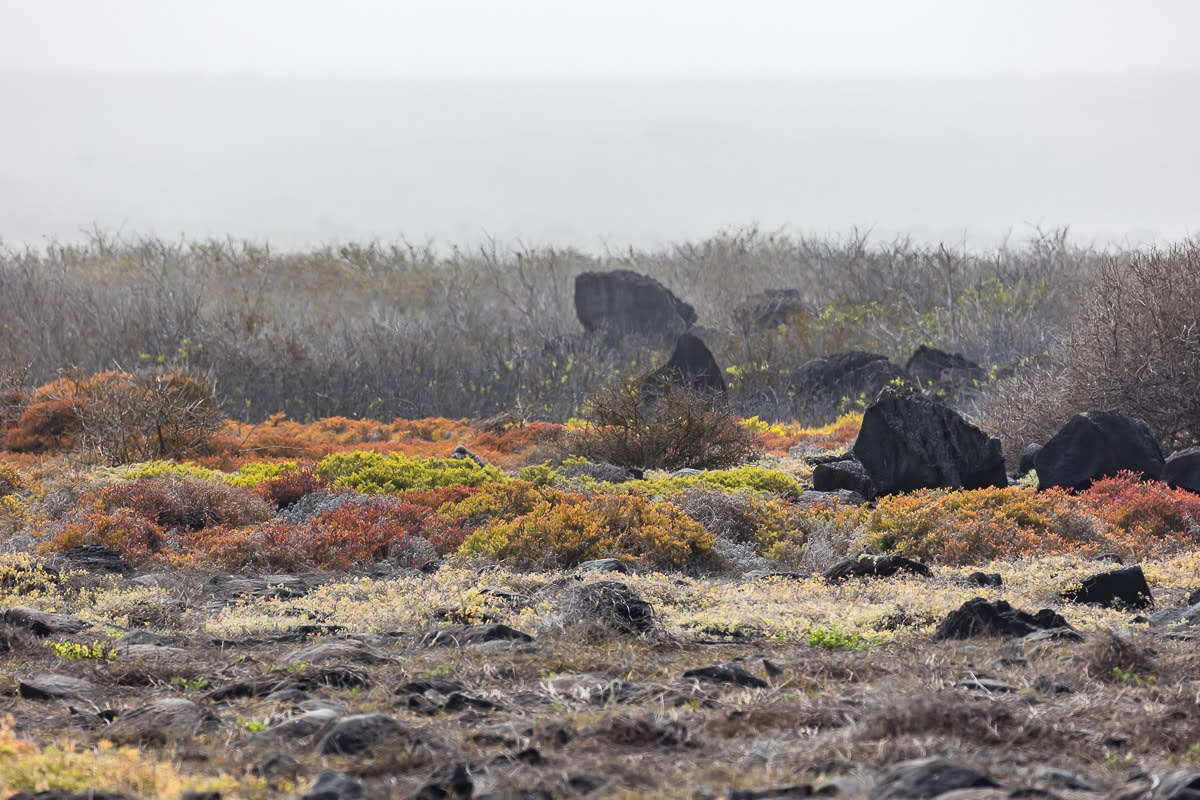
[[596, 163]]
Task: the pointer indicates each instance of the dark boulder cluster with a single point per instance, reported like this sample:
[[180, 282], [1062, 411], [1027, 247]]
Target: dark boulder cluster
[[832, 380], [910, 438], [1100, 444]]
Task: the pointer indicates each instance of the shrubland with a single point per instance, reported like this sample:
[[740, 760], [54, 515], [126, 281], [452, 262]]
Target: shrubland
[[380, 331], [267, 475]]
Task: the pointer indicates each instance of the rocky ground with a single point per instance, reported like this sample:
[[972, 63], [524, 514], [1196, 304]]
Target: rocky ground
[[463, 683]]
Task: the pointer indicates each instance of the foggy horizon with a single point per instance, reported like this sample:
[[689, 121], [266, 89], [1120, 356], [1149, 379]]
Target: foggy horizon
[[301, 124]]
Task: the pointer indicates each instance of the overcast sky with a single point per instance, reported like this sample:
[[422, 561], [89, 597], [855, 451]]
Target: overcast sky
[[589, 122]]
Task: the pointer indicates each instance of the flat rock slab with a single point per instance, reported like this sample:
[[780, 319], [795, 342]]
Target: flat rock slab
[[44, 623], [442, 687], [927, 777], [52, 686], [151, 652], [167, 719], [731, 673], [983, 685], [366, 732], [143, 637], [303, 725], [985, 580], [341, 651], [769, 574], [473, 635], [783, 793], [95, 558], [604, 565], [284, 587]]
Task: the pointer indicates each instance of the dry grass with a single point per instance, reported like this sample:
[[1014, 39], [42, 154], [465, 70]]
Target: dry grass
[[615, 706]]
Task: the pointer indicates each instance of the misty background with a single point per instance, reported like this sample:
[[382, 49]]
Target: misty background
[[601, 126]]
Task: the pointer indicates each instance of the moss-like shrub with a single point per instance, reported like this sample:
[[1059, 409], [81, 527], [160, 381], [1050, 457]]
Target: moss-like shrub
[[378, 473], [571, 529], [757, 479], [255, 473], [1122, 515], [159, 468], [501, 502]]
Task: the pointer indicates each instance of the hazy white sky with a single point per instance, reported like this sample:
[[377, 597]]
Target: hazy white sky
[[572, 38], [598, 122]]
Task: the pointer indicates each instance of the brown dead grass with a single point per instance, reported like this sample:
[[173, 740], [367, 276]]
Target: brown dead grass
[[827, 714]]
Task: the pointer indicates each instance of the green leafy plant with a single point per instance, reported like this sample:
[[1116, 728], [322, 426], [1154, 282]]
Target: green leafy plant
[[1130, 677], [379, 473], [252, 725], [831, 638]]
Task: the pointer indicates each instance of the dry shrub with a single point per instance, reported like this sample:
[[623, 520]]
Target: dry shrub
[[121, 417], [1135, 346], [286, 490], [14, 396], [369, 530], [746, 525], [1110, 656], [162, 520], [182, 504], [681, 428], [133, 536]]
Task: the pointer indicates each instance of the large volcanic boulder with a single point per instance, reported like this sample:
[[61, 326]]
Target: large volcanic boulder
[[948, 374], [769, 309], [909, 441], [1098, 444], [691, 365], [1182, 469], [622, 302], [853, 374]]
